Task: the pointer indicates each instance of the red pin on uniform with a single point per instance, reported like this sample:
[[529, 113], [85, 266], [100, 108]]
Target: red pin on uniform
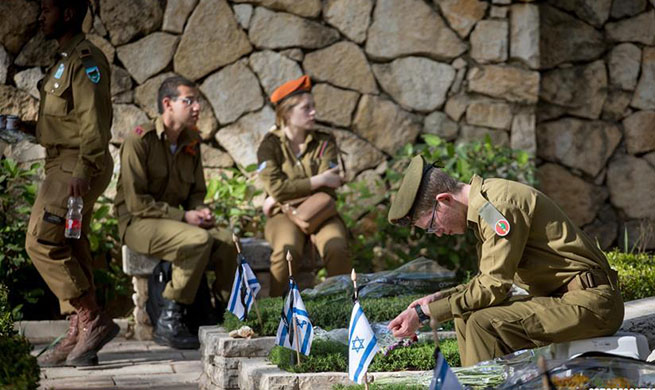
[[502, 227]]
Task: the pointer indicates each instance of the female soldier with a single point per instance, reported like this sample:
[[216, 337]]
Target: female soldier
[[296, 161]]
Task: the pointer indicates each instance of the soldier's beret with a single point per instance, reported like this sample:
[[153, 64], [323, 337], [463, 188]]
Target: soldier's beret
[[401, 211], [291, 88]]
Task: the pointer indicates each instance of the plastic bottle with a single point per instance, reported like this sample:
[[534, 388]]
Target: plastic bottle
[[74, 217]]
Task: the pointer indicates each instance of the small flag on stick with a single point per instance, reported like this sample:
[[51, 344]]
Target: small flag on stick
[[362, 343], [244, 288], [295, 330]]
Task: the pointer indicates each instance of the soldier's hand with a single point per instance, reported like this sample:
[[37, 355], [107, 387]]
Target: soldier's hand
[[426, 300], [208, 220], [78, 186], [194, 217], [267, 207], [405, 325], [331, 178]]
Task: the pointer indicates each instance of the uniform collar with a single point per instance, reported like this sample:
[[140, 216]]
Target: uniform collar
[[182, 139], [476, 200], [309, 137], [66, 50]]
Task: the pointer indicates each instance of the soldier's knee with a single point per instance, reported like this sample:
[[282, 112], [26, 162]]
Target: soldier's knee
[[479, 321], [336, 248], [198, 237]]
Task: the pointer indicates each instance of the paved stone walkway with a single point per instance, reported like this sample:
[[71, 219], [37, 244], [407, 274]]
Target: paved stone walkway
[[129, 364]]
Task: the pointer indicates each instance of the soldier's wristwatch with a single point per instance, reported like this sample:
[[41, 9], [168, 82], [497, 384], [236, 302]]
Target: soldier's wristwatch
[[422, 317]]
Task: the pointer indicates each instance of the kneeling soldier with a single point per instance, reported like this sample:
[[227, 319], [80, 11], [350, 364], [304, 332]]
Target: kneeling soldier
[[523, 238]]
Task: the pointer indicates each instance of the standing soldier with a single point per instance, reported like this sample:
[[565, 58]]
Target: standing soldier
[[74, 126], [523, 238], [161, 211], [295, 161]]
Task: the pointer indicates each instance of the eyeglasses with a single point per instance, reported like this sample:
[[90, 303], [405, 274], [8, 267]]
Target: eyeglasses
[[431, 229], [188, 101]]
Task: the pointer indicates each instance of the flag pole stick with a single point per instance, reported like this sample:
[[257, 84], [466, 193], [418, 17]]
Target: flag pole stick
[[254, 298], [353, 277], [293, 315]]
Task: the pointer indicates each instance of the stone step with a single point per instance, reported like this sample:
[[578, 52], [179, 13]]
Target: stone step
[[39, 332]]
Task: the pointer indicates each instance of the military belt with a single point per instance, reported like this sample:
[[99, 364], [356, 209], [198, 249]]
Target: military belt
[[55, 150], [589, 279]]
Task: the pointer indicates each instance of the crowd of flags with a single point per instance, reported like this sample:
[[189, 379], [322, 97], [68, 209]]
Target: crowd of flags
[[296, 332]]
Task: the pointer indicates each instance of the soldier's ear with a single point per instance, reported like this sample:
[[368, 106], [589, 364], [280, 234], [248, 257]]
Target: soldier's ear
[[444, 197], [166, 103], [69, 15]]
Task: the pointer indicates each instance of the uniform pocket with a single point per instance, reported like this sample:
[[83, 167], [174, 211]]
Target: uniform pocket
[[49, 229], [55, 105]]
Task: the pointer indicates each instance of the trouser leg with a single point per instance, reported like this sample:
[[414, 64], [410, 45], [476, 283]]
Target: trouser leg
[[529, 323], [332, 243], [64, 264], [188, 247], [283, 235], [223, 260]]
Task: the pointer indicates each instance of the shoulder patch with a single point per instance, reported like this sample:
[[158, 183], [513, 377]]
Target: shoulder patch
[[139, 130], [92, 70], [495, 219]]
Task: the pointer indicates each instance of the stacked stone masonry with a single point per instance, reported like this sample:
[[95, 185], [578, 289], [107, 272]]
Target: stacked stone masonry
[[570, 81]]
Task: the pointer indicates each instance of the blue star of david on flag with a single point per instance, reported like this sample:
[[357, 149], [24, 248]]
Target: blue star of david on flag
[[364, 345], [244, 289], [358, 344]]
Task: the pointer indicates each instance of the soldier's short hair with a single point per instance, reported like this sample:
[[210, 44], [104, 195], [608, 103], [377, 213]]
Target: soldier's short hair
[[79, 7], [436, 181], [169, 89]]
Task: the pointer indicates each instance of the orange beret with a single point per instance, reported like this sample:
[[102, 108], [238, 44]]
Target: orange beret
[[292, 87]]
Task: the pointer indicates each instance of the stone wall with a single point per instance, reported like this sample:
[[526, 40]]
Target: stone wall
[[384, 72], [596, 115]]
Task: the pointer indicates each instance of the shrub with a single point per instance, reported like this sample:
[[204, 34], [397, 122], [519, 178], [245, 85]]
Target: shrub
[[18, 369], [17, 194], [636, 273], [231, 200], [332, 356], [383, 246]]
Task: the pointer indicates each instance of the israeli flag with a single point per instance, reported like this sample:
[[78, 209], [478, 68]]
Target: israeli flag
[[362, 345], [294, 310], [244, 289], [443, 377]]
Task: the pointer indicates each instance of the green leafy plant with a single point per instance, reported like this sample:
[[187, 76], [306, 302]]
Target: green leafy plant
[[18, 368], [231, 200], [332, 356], [379, 245], [17, 194], [636, 275]]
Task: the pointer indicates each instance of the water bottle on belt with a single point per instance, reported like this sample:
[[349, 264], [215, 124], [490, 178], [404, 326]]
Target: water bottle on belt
[[74, 217]]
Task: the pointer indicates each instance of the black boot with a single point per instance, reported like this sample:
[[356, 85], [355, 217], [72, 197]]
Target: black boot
[[171, 330]]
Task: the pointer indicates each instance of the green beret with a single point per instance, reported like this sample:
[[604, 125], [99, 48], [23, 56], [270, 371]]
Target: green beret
[[401, 211]]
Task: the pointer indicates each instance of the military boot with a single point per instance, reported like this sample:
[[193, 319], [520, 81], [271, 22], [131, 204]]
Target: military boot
[[95, 330], [171, 330], [56, 356]]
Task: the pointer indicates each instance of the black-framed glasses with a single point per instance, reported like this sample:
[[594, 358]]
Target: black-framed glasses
[[431, 228]]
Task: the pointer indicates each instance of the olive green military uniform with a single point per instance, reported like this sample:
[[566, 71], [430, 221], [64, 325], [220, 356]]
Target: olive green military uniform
[[74, 125], [285, 177], [155, 187], [526, 239]]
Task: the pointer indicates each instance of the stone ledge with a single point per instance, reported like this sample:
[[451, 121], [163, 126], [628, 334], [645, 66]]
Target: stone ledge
[[38, 332]]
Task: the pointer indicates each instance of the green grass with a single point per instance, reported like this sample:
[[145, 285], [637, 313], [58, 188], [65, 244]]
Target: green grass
[[332, 356]]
